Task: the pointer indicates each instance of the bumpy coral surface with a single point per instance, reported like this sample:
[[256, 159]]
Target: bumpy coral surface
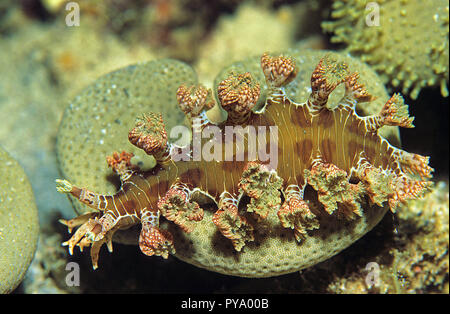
[[405, 41], [330, 179], [19, 226]]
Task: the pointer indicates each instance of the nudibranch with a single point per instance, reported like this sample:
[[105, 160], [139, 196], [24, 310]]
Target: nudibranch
[[256, 163]]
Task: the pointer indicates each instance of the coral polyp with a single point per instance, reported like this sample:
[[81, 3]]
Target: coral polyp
[[389, 35], [312, 169]]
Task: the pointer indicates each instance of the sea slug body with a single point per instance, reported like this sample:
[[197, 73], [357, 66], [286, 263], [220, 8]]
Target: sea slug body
[[292, 149]]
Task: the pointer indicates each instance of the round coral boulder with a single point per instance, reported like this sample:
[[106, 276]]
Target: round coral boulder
[[19, 226]]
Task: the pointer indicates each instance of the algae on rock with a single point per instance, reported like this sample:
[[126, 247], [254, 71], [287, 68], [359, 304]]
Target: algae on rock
[[417, 260]]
